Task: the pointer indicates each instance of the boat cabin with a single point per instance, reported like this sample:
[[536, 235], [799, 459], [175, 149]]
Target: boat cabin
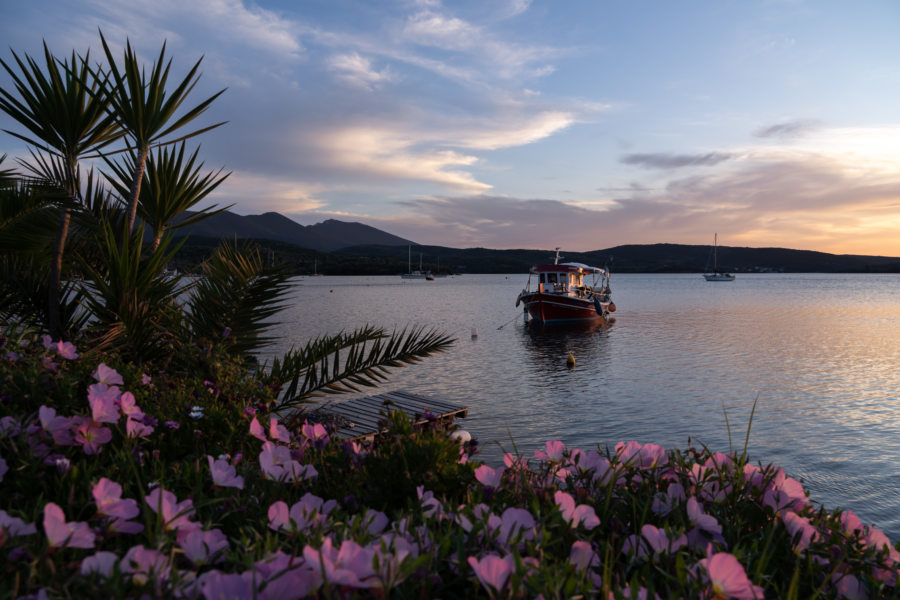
[[565, 278]]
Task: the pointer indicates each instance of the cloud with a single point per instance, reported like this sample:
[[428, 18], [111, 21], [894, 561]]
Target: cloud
[[663, 160], [357, 71], [392, 154], [789, 129]]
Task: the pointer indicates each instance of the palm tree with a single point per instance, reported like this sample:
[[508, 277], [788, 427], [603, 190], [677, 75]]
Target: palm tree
[[145, 112], [65, 115], [171, 186]]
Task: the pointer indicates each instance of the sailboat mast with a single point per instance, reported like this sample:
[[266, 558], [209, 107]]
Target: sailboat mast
[[715, 253]]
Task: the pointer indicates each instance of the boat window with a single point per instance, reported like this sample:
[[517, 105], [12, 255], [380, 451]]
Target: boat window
[[551, 277]]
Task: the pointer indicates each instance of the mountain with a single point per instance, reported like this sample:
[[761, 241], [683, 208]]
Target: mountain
[[327, 236], [357, 249]]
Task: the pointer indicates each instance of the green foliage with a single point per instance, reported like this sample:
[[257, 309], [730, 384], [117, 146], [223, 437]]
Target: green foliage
[[131, 301], [238, 292], [334, 364], [406, 457]]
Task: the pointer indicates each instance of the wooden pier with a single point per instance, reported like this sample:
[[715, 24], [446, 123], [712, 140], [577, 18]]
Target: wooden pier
[[362, 419]]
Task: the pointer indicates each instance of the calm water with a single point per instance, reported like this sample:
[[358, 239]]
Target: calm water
[[821, 353]]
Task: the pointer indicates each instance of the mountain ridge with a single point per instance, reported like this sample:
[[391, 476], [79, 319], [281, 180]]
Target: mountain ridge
[[350, 248]]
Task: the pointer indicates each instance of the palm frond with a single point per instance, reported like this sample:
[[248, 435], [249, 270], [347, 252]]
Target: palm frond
[[237, 291], [347, 362]]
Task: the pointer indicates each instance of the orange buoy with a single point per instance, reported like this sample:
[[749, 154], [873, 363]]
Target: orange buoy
[[612, 307]]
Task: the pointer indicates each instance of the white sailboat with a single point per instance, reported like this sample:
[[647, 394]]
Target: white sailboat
[[418, 274], [716, 274]]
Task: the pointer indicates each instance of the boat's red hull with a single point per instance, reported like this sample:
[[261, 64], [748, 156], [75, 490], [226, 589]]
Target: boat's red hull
[[554, 307]]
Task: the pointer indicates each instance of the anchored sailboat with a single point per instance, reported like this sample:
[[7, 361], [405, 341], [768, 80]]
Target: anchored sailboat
[[716, 274]]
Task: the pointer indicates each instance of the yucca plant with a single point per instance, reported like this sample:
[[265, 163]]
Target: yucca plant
[[132, 303], [60, 106], [146, 112], [173, 183]]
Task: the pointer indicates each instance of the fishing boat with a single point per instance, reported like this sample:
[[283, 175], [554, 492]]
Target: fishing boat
[[561, 294], [716, 274]]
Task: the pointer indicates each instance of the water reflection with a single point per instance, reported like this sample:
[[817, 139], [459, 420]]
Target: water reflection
[[548, 344]]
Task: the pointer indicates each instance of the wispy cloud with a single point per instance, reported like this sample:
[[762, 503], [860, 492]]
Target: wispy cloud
[[789, 129], [358, 71], [675, 161]]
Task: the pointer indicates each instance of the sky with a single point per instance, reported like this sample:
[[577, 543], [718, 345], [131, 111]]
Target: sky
[[584, 124]]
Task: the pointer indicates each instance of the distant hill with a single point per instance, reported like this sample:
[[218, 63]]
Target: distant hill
[[340, 248], [325, 237]]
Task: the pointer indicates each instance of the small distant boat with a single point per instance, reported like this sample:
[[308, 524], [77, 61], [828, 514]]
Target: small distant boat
[[562, 295], [419, 273], [315, 272], [716, 274]]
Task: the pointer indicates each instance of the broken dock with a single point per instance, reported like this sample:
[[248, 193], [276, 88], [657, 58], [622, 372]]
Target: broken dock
[[362, 419]]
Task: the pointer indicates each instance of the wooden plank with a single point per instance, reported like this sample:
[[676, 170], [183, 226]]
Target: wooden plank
[[363, 416]]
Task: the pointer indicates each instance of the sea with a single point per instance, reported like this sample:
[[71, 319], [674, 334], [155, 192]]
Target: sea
[[802, 368]]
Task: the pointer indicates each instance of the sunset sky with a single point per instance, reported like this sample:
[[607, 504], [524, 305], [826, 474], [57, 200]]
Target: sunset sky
[[533, 123]]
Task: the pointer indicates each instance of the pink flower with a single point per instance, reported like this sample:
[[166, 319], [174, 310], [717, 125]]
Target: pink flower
[[728, 578], [848, 586], [223, 474], [287, 577], [201, 547], [14, 526], [107, 375], [575, 515], [278, 432], [146, 380], [644, 456], [515, 522], [102, 563], [663, 504], [488, 476], [276, 463], [701, 519], [315, 433], [216, 585], [66, 350], [373, 521], [128, 406], [175, 515], [137, 429], [91, 436], [595, 463], [104, 401], [309, 511], [800, 529], [62, 534], [257, 431], [145, 563], [431, 506], [554, 451], [108, 496], [659, 541], [58, 427], [583, 555], [585, 558], [492, 571], [351, 565]]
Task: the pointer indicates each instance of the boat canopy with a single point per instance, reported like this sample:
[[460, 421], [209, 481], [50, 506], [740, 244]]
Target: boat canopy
[[568, 268]]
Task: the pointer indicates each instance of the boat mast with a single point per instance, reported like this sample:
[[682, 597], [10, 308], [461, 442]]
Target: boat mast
[[715, 253]]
